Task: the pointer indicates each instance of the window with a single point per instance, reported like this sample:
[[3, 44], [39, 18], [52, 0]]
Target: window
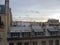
[[34, 43], [11, 43], [56, 42], [26, 34], [39, 33], [19, 43], [15, 35], [43, 43], [53, 33], [50, 42], [26, 43]]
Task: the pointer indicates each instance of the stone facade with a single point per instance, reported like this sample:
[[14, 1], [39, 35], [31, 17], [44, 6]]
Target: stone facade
[[5, 21], [47, 41]]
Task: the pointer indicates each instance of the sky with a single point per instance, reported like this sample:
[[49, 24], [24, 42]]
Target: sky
[[35, 9]]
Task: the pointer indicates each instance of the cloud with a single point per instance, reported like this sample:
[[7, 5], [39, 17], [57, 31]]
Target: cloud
[[2, 1], [42, 9]]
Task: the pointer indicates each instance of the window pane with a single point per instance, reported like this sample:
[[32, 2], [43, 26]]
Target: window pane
[[11, 43], [26, 34], [19, 43], [34, 43], [26, 43], [50, 42], [43, 43], [56, 42], [15, 35]]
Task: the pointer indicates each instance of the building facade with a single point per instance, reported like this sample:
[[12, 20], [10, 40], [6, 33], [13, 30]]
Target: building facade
[[5, 21], [35, 33]]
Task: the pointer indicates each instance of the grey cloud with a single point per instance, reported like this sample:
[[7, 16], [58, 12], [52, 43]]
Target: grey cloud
[[2, 1], [35, 8]]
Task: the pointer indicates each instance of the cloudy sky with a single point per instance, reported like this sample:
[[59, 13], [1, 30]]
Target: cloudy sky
[[35, 9]]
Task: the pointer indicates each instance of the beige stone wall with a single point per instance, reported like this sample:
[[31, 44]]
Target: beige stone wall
[[9, 18], [6, 19]]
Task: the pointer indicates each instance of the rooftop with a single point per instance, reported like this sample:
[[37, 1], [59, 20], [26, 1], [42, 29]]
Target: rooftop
[[2, 9]]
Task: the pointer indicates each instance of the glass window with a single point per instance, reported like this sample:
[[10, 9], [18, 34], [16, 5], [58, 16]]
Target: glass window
[[34, 43], [54, 33], [43, 43], [26, 34], [14, 35], [50, 42], [26, 43], [56, 42], [39, 33], [19, 43], [11, 43]]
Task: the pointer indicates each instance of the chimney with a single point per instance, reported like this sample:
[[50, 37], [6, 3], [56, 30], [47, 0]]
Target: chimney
[[7, 5]]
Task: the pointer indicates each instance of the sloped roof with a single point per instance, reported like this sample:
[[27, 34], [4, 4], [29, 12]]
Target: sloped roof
[[52, 29], [20, 29], [14, 29], [37, 28], [26, 29]]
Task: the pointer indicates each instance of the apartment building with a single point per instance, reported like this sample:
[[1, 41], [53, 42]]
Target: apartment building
[[5, 21], [46, 33]]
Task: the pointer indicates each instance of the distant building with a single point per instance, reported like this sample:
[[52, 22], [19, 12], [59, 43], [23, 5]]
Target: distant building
[[53, 22]]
